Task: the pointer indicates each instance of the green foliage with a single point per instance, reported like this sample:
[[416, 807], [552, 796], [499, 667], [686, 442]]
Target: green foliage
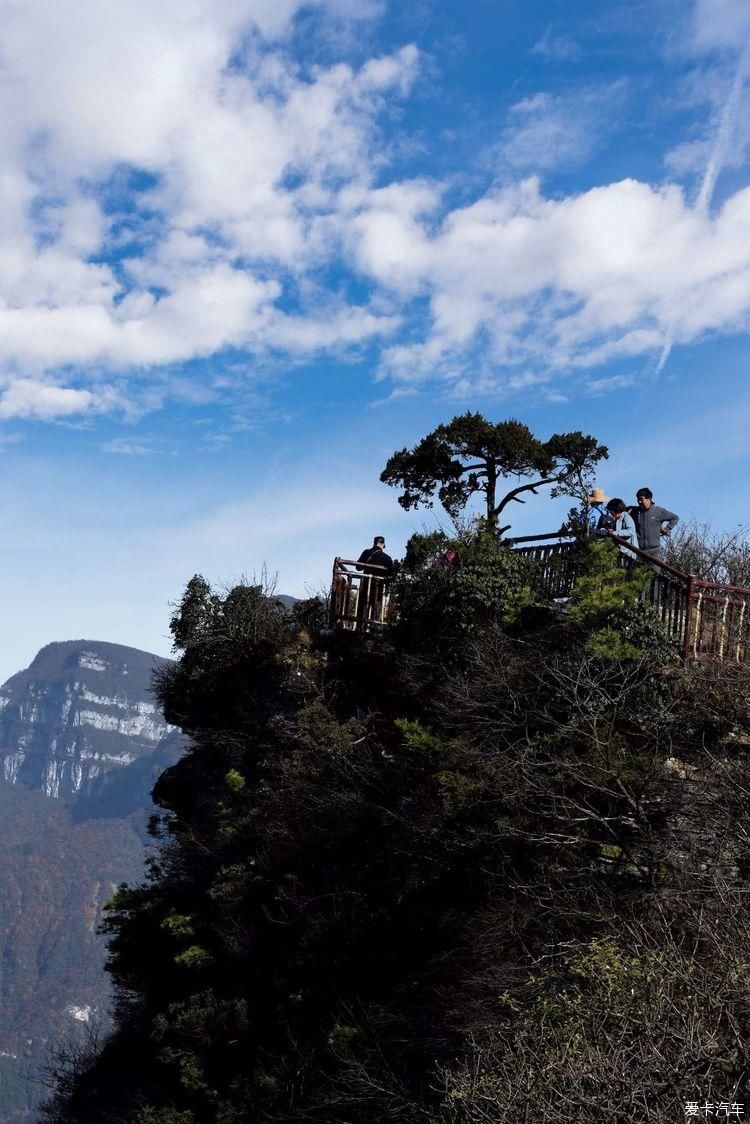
[[311, 614], [235, 781], [193, 957], [608, 604], [444, 608], [652, 1001], [177, 924], [447, 874], [471, 455]]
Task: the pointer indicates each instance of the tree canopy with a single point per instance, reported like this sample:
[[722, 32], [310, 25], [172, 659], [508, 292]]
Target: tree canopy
[[471, 455]]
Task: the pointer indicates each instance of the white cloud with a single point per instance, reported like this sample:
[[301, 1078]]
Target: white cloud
[[554, 131], [243, 164], [127, 447], [189, 139], [26, 398], [554, 283], [612, 382], [720, 24]]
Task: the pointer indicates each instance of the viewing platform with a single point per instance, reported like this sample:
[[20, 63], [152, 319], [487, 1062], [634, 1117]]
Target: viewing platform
[[361, 596], [705, 620]]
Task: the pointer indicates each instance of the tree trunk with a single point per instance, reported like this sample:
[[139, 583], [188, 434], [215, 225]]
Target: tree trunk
[[490, 492], [515, 493]]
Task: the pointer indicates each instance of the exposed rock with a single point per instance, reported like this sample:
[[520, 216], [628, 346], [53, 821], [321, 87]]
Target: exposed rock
[[678, 768], [82, 710]]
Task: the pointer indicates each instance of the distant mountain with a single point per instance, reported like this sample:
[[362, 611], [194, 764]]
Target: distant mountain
[[286, 599], [80, 711], [82, 741]]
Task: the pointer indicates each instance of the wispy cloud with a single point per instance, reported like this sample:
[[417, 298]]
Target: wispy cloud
[[610, 383], [557, 47], [28, 398], [128, 447], [561, 130]]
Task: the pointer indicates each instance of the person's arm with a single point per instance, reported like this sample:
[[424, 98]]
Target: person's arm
[[363, 557], [670, 519], [629, 531]]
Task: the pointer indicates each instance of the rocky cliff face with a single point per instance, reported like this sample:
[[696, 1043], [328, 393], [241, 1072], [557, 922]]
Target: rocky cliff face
[[82, 710], [82, 741]]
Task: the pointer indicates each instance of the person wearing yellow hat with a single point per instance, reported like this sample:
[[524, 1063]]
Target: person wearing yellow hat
[[596, 510]]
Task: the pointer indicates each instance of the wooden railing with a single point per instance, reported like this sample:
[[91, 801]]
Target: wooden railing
[[553, 566], [361, 596], [706, 620]]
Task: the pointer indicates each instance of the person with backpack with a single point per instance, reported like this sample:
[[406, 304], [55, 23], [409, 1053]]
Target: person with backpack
[[595, 509]]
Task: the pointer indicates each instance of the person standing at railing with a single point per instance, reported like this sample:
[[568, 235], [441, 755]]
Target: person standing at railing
[[621, 525], [651, 522], [370, 600], [592, 517], [376, 556]]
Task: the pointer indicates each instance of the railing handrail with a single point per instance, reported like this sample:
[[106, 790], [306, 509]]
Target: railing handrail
[[623, 542], [354, 562], [649, 558], [561, 534], [721, 585], [707, 619]]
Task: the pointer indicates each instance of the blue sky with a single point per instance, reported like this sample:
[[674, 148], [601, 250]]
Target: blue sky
[[249, 249]]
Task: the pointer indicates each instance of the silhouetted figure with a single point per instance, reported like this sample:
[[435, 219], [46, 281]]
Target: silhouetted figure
[[376, 556], [370, 599]]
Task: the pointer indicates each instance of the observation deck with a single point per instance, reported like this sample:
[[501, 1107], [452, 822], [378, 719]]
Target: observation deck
[[705, 620], [361, 596]]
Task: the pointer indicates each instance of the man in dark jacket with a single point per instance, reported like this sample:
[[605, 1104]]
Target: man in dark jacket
[[376, 556], [370, 601], [651, 522]]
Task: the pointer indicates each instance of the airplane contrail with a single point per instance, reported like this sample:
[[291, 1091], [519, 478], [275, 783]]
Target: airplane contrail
[[716, 162], [723, 136]]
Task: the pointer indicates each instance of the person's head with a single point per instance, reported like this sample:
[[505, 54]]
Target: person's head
[[597, 498], [379, 542], [616, 507], [645, 498]]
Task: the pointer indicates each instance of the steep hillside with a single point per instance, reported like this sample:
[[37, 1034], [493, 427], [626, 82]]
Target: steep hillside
[[55, 877], [82, 741]]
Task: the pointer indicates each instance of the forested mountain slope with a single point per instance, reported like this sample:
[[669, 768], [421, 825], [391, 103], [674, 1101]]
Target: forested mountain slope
[[82, 740], [55, 877], [487, 865]]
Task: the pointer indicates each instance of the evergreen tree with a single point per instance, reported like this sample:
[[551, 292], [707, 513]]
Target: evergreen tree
[[472, 456]]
